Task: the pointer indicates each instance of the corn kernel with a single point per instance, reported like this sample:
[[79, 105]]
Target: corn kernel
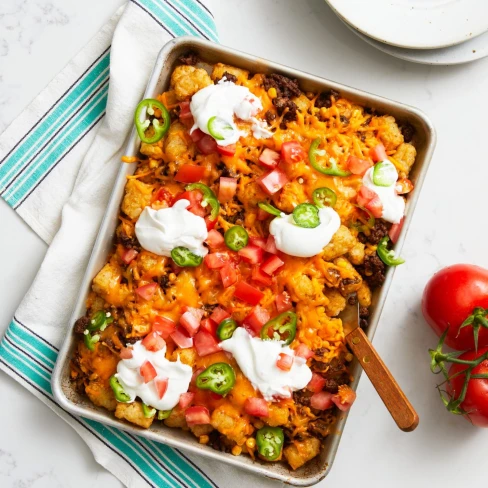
[[323, 112], [236, 450], [251, 443], [272, 92], [153, 163], [172, 277], [203, 439]]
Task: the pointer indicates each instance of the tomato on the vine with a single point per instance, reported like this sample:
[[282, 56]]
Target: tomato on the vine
[[456, 298]]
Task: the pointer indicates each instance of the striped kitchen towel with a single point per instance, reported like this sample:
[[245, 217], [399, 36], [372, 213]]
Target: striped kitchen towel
[[58, 161]]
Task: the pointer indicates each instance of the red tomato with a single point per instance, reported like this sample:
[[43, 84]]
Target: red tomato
[[128, 255], [450, 297], [316, 383], [251, 254], [185, 112], [197, 312], [285, 362], [229, 150], [185, 399], [210, 223], [205, 343], [260, 277], [194, 197], [162, 195], [161, 386], [163, 326], [375, 207], [476, 399], [189, 173], [395, 231], [228, 274], [181, 338], [358, 166], [248, 293], [257, 318], [219, 314], [283, 302], [403, 186], [148, 372], [196, 135], [258, 242], [216, 260], [269, 158], [345, 398], [147, 291], [292, 152], [207, 144], [271, 265], [214, 239], [190, 323], [197, 415], [273, 181], [271, 245], [126, 353], [378, 153], [210, 326], [227, 189], [153, 342], [321, 400], [258, 407], [303, 351]]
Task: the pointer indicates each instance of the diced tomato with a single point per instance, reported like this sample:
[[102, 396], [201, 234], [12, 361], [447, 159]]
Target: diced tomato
[[248, 293], [371, 201], [189, 173], [216, 260], [273, 181], [375, 206], [316, 383], [205, 343], [161, 386], [262, 214], [185, 399], [162, 195], [285, 362], [153, 342], [128, 255], [403, 186], [321, 400], [257, 318], [196, 135], [175, 268], [229, 150], [272, 264], [271, 245], [395, 231], [181, 338], [358, 166], [283, 302], [228, 275], [303, 351], [269, 158], [251, 254], [260, 277], [148, 371], [163, 326], [194, 197], [219, 314], [126, 353], [210, 223], [197, 312], [198, 210], [292, 152], [227, 189], [378, 153], [258, 242], [147, 291], [210, 326], [214, 238], [345, 398], [190, 323], [258, 407], [207, 144], [197, 415], [185, 112]]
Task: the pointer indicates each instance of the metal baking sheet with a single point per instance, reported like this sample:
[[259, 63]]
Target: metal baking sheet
[[211, 53]]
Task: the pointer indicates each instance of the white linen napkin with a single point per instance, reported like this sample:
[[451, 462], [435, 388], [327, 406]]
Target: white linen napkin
[[58, 161]]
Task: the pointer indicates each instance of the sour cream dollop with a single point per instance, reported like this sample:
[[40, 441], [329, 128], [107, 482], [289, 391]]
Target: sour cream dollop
[[160, 231], [224, 101], [304, 242], [393, 204], [257, 360], [178, 375]]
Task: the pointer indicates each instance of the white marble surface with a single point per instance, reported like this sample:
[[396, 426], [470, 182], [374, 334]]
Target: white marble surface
[[38, 37]]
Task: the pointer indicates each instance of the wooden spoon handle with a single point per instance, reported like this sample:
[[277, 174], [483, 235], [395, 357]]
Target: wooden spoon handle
[[393, 397]]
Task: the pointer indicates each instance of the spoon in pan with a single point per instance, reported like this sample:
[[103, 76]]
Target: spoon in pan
[[388, 389]]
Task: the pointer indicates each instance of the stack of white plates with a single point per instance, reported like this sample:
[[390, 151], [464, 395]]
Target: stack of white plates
[[422, 31]]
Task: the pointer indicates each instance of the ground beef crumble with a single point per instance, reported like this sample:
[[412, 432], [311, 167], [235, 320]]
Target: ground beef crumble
[[81, 324], [377, 233], [324, 100], [227, 77], [190, 58], [285, 87], [372, 270]]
